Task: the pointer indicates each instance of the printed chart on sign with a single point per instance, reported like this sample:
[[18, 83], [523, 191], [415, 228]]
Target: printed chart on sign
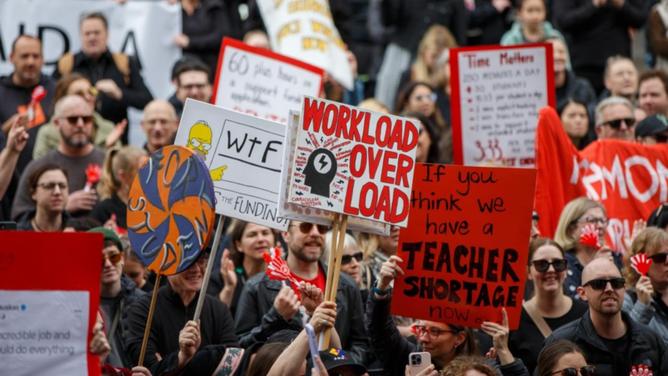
[[497, 93]]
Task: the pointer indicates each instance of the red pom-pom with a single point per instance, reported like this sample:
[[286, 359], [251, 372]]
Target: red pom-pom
[[92, 174]]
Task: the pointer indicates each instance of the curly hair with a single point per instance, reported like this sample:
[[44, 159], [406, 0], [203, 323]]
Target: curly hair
[[462, 364]]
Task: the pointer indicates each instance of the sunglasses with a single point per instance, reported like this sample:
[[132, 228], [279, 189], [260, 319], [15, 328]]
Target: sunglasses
[[572, 371], [601, 283], [542, 266], [428, 97], [659, 258], [617, 123], [306, 227], [347, 259], [74, 120], [114, 258]]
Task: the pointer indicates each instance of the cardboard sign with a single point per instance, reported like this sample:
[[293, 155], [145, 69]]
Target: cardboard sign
[[305, 30], [496, 95], [465, 248], [49, 297], [170, 213], [262, 83], [309, 214], [248, 153], [629, 179], [353, 161]]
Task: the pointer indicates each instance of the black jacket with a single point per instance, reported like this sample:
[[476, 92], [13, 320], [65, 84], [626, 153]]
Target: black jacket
[[257, 319], [216, 328], [645, 348], [135, 93], [129, 294]]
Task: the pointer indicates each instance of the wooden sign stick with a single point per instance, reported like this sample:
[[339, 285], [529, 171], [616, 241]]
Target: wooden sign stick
[[151, 312], [330, 258], [336, 273], [209, 267]]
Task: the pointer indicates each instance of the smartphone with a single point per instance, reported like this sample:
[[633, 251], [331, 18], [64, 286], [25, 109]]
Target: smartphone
[[418, 361], [7, 226]]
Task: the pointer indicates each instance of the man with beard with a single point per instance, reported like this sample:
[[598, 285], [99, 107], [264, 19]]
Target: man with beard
[[159, 124], [266, 307], [610, 339], [73, 117]]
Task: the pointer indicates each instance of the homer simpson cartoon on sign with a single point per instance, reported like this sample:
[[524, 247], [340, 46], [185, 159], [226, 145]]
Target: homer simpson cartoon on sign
[[199, 141]]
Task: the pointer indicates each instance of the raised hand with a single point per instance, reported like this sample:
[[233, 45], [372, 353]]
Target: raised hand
[[388, 271], [286, 303]]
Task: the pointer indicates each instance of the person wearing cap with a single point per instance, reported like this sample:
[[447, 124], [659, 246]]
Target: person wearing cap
[[652, 130], [117, 293]]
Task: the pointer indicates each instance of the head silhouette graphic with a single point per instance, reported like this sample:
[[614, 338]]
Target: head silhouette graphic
[[320, 171]]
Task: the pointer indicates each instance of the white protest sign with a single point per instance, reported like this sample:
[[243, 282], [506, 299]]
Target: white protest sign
[[244, 155], [309, 214], [353, 161], [36, 341], [496, 95], [305, 30], [262, 83]]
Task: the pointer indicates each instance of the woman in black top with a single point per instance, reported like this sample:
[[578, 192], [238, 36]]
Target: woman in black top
[[547, 270]]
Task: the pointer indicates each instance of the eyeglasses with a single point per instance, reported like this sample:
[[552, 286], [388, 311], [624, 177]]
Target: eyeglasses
[[114, 258], [74, 120], [572, 371], [196, 143], [659, 258], [602, 283], [542, 266], [347, 259], [420, 330], [193, 86], [595, 221], [51, 186], [306, 227], [428, 97], [617, 123]]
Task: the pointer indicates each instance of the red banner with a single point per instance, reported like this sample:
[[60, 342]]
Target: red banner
[[465, 248], [629, 179]]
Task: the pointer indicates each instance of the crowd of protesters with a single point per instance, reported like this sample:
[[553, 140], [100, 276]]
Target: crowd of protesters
[[586, 312]]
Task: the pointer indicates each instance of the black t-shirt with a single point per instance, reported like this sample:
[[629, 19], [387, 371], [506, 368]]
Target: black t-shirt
[[619, 345], [526, 342], [104, 209]]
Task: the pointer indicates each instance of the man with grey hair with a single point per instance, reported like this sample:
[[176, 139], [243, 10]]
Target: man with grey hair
[[73, 117], [614, 119]]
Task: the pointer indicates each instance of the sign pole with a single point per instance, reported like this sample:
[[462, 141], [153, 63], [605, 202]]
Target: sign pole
[[209, 267], [331, 256], [151, 312], [336, 272]]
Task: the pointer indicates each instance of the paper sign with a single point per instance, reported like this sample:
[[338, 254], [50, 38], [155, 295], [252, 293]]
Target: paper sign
[[262, 83], [496, 95], [309, 214], [48, 302], [353, 161], [305, 30], [465, 249], [247, 151]]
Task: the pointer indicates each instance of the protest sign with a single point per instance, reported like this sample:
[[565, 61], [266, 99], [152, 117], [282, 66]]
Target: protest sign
[[306, 213], [629, 179], [465, 249], [49, 298], [262, 83], [305, 30], [353, 161], [496, 94], [247, 151], [170, 210]]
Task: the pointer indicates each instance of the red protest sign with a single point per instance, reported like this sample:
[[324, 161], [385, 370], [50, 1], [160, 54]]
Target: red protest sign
[[49, 297], [465, 248]]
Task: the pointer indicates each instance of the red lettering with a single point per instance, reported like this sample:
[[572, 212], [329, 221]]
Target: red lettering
[[367, 205], [347, 207], [329, 119], [312, 114], [410, 137], [404, 166], [394, 216], [367, 138], [356, 119], [374, 161], [342, 126], [388, 167], [357, 161], [384, 123]]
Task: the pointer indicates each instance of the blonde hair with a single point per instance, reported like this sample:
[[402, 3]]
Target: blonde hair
[[118, 159], [439, 38], [373, 104], [569, 215], [649, 242]]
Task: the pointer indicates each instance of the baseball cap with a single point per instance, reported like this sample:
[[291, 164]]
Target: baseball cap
[[337, 359], [109, 235], [652, 126]]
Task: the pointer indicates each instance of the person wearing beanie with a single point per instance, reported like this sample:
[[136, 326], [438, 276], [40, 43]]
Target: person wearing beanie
[[652, 130]]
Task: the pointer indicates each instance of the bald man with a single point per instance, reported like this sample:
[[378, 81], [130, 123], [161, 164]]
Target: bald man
[[159, 124], [610, 339]]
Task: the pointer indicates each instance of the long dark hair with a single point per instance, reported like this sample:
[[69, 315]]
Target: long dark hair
[[433, 154], [550, 355]]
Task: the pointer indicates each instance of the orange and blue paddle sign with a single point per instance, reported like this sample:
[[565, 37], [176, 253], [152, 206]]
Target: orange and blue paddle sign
[[171, 210]]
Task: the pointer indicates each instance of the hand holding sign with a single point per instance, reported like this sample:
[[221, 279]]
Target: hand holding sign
[[644, 290], [189, 341], [286, 303], [641, 263], [589, 237]]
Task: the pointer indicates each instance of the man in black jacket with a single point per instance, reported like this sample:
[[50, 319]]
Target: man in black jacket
[[115, 75], [610, 339], [266, 308]]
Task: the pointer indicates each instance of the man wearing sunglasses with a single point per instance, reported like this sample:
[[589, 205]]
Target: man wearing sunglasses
[[266, 307], [610, 339], [117, 293], [73, 117], [615, 119]]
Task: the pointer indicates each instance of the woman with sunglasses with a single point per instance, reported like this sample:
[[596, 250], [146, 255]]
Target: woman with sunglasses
[[248, 242], [647, 303], [49, 191], [574, 219], [563, 358], [352, 263], [549, 308]]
